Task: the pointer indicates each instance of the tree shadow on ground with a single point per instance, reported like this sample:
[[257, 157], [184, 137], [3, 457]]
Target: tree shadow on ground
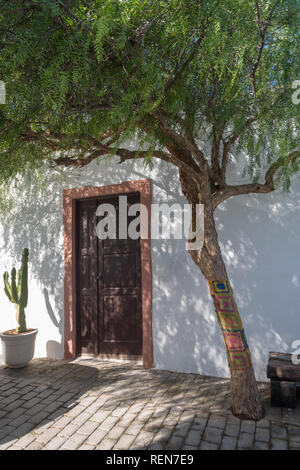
[[44, 390], [47, 390], [161, 408]]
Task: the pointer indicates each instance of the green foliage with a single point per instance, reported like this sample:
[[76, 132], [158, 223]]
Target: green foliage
[[17, 291], [76, 71]]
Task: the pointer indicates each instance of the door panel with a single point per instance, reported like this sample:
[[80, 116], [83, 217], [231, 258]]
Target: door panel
[[119, 270], [87, 326], [109, 285], [120, 310]]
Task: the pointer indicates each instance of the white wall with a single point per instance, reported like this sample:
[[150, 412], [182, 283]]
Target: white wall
[[260, 241]]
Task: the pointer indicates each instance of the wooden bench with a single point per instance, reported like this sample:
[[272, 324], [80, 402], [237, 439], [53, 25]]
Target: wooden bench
[[284, 375]]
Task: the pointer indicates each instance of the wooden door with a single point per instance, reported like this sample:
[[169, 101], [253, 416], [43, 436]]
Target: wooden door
[[109, 308]]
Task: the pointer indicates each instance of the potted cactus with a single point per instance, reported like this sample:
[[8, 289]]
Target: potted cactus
[[18, 344]]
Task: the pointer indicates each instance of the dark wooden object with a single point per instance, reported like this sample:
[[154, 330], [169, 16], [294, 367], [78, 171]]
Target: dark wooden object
[[109, 309], [284, 375]]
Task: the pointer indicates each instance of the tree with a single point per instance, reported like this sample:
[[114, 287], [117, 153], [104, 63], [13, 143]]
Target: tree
[[193, 81]]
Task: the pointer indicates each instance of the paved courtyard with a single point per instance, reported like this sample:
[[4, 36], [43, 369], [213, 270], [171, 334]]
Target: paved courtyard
[[91, 404]]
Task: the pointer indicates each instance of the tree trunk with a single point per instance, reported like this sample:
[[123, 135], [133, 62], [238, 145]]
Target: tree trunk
[[245, 397]]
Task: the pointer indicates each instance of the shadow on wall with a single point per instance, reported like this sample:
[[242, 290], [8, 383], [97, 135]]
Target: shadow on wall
[[35, 221], [264, 269], [260, 241], [259, 237], [186, 336], [53, 348], [186, 333]]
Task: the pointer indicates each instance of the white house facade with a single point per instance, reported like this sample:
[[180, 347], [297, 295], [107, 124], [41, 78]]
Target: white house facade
[[260, 241]]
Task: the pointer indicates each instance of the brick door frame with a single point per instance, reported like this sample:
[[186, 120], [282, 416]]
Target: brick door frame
[[70, 196]]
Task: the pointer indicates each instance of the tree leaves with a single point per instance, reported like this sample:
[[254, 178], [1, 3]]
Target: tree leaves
[[101, 68]]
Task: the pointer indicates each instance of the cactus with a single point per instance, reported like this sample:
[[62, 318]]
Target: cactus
[[17, 290]]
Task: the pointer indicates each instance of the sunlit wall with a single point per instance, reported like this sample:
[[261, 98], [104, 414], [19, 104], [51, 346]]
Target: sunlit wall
[[260, 240]]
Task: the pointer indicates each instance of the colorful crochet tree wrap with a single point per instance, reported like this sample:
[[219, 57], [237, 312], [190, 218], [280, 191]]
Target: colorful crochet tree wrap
[[230, 322]]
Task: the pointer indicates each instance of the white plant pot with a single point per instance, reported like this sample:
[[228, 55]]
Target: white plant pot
[[18, 350]]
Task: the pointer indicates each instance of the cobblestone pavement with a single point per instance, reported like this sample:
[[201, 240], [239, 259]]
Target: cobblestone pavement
[[92, 404]]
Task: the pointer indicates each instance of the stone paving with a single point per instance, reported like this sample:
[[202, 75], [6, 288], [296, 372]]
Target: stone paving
[[90, 404]]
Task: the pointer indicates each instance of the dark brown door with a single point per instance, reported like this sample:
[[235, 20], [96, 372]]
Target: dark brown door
[[109, 313]]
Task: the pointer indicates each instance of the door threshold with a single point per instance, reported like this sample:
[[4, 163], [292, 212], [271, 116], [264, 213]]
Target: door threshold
[[114, 358]]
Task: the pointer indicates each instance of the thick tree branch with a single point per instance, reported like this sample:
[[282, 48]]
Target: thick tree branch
[[178, 120], [175, 143], [215, 166], [181, 145], [262, 32], [203, 164], [231, 191], [229, 141], [275, 166], [224, 162], [75, 17], [263, 29], [56, 142], [266, 187], [178, 73], [181, 68], [124, 154]]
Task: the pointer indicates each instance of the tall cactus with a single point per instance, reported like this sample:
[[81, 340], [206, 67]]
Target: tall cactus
[[17, 290]]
